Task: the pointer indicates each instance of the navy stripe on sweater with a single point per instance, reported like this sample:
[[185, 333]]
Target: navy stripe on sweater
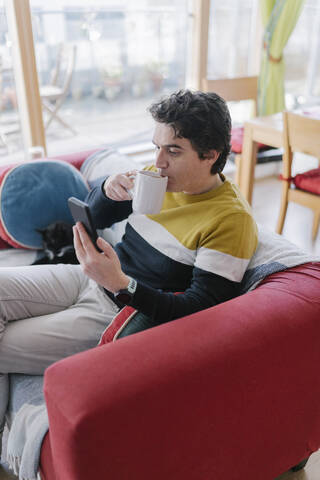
[[158, 276]]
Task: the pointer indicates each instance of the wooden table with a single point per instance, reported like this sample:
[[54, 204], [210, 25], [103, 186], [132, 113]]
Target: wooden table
[[267, 130]]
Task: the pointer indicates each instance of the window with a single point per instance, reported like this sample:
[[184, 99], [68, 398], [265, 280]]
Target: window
[[128, 54], [233, 38], [302, 57], [10, 132]]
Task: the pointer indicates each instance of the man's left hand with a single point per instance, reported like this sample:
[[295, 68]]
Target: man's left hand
[[104, 268]]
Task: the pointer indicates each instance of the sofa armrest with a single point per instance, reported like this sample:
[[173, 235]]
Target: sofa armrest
[[227, 393]]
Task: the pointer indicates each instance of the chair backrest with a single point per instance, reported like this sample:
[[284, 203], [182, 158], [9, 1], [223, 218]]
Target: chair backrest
[[62, 72], [301, 134], [234, 89]]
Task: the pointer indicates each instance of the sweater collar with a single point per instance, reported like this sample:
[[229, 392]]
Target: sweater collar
[[182, 198]]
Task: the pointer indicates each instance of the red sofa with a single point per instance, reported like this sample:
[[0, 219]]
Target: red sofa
[[229, 393]]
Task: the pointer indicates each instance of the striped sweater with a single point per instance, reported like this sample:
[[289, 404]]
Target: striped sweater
[[200, 245]]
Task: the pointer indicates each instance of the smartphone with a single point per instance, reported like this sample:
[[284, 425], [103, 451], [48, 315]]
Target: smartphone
[[81, 213]]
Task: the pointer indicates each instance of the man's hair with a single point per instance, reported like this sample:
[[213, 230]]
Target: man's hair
[[202, 118]]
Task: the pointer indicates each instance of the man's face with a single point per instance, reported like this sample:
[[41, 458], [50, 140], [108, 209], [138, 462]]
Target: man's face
[[177, 160]]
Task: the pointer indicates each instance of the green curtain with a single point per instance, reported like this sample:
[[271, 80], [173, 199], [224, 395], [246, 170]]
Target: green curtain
[[279, 18]]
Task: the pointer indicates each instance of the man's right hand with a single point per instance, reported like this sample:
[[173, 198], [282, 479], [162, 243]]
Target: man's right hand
[[116, 186]]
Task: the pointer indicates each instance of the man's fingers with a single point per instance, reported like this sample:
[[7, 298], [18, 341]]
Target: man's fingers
[[76, 238], [117, 187], [106, 247], [126, 182], [132, 172], [77, 244], [85, 241], [119, 193]]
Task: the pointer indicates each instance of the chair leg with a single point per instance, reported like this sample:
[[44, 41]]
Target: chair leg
[[65, 124], [47, 107], [283, 206], [315, 225], [237, 162], [3, 139], [52, 111]]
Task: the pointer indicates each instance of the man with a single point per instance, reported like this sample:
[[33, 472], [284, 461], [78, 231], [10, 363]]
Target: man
[[199, 244]]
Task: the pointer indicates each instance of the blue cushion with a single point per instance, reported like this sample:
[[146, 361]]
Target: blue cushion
[[35, 194]]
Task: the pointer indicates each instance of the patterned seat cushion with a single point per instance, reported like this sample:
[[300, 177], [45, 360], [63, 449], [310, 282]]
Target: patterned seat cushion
[[237, 140], [308, 181]]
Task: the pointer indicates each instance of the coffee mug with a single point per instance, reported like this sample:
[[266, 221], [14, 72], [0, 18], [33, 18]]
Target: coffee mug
[[148, 192]]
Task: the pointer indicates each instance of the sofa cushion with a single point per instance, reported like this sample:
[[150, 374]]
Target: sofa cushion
[[75, 159], [33, 195], [96, 167], [103, 163]]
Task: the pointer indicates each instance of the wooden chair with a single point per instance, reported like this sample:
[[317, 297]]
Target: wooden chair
[[301, 134], [234, 89], [54, 94], [238, 89]]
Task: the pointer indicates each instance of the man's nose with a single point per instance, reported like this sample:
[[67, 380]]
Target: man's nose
[[161, 159]]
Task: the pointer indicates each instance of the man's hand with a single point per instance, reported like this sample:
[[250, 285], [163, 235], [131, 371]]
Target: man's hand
[[116, 186], [104, 268]]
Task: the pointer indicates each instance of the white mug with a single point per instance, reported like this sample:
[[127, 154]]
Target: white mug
[[148, 192]]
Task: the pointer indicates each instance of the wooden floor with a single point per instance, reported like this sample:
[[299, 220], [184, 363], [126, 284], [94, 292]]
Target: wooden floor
[[298, 230]]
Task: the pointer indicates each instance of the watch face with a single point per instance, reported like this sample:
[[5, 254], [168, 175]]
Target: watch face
[[124, 298]]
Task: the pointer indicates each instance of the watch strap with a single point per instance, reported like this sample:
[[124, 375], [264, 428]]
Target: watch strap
[[126, 294]]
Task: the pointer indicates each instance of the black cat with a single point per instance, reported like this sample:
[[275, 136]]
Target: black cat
[[57, 241]]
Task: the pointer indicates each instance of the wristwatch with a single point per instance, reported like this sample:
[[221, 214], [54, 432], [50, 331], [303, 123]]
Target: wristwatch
[[125, 295]]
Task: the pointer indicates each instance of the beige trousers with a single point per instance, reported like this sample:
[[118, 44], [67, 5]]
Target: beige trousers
[[47, 312]]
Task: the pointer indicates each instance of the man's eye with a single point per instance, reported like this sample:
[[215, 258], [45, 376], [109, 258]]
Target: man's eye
[[173, 152]]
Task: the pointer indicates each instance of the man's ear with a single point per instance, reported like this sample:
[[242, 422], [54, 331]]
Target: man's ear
[[212, 156]]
